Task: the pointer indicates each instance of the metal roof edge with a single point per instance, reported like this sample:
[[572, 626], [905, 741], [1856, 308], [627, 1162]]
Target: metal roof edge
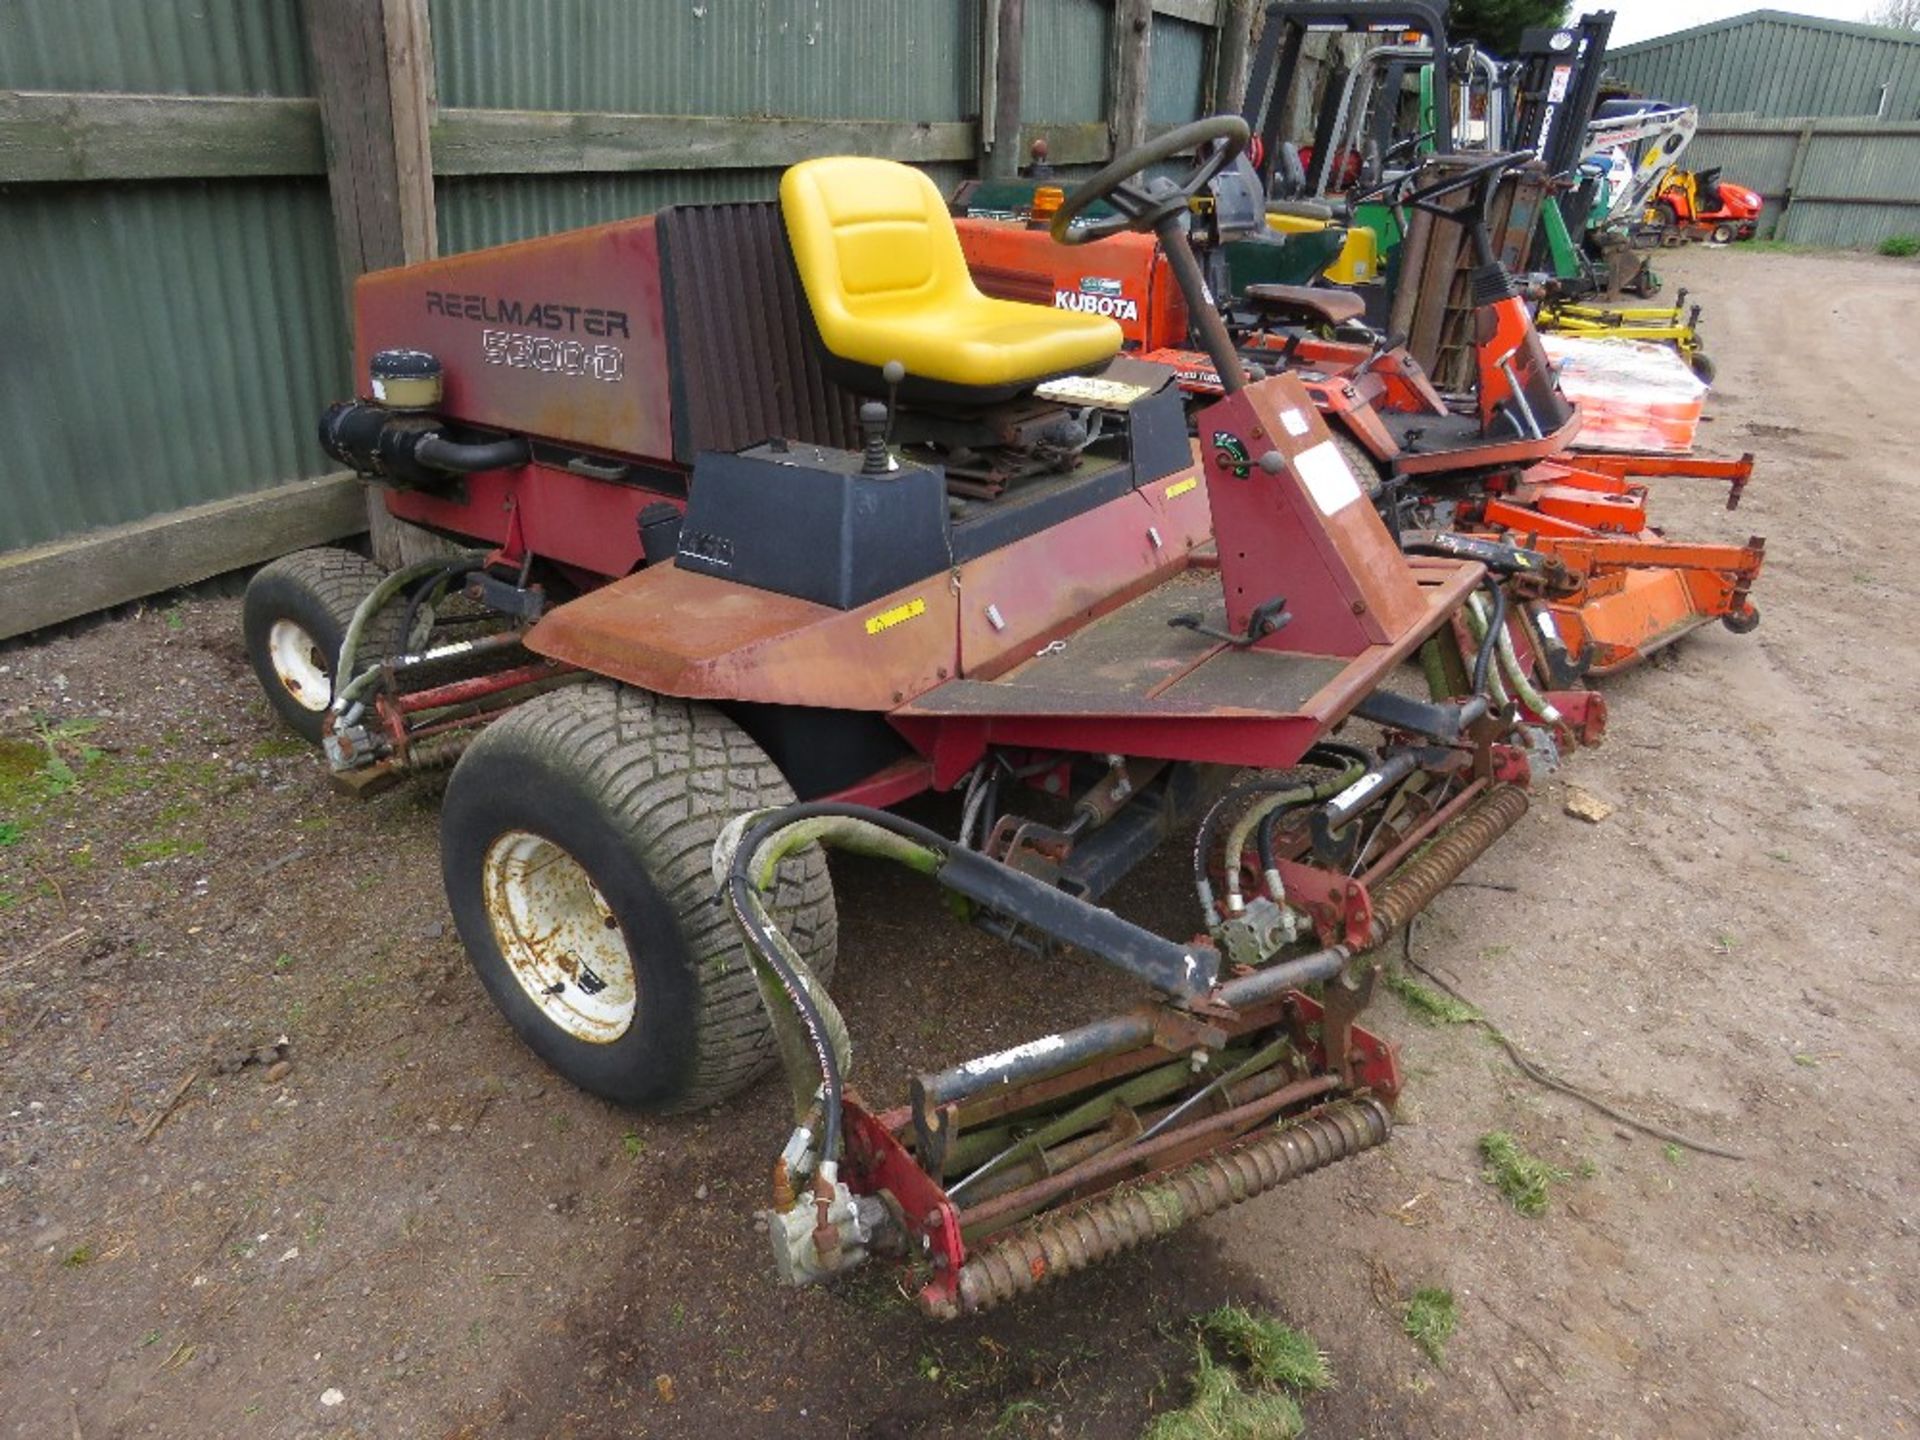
[[1775, 17]]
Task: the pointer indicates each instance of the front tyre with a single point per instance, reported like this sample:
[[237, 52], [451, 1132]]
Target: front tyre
[[294, 618], [576, 843]]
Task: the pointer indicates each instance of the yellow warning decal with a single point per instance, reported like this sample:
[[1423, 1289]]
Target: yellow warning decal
[[1175, 491], [899, 615]]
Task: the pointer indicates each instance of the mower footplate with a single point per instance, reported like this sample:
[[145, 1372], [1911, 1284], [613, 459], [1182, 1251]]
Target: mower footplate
[[1157, 679]]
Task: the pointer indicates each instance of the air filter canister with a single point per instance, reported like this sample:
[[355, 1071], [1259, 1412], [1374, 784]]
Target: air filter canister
[[406, 379]]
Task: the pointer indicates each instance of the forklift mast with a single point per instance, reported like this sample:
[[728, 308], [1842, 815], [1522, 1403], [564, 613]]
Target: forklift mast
[[1556, 87], [1276, 70]]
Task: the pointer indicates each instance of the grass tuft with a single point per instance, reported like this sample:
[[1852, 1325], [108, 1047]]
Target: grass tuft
[[1431, 1319], [1223, 1409], [1900, 247], [1275, 1355], [1521, 1177], [1432, 1006]]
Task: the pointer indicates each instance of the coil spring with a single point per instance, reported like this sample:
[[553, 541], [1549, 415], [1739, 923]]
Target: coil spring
[[1444, 859]]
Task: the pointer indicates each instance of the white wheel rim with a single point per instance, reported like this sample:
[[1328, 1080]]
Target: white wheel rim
[[300, 665], [559, 937]]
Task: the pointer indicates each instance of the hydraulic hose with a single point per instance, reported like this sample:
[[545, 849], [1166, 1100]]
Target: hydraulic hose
[[1268, 807], [1522, 685], [1483, 660], [432, 585], [1203, 837], [346, 685], [748, 875], [467, 459], [1477, 624]]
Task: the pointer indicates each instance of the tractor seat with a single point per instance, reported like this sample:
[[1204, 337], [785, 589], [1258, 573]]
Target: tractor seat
[[881, 264], [1307, 304]]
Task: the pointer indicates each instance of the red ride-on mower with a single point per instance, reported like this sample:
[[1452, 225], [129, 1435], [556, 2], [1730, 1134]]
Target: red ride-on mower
[[841, 530], [1699, 205]]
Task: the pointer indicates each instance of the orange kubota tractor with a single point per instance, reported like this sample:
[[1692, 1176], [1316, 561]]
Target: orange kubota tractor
[[1497, 464], [767, 519]]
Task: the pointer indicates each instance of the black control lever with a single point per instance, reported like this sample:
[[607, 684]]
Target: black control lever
[[1267, 617]]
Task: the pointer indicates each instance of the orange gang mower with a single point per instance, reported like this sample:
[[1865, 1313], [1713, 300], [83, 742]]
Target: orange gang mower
[[768, 519]]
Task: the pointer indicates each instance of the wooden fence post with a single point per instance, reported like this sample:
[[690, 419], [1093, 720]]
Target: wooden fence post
[[1132, 56], [1795, 170], [1005, 24], [373, 69], [1232, 45]]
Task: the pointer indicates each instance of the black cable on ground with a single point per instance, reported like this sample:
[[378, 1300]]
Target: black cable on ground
[[1544, 1077]]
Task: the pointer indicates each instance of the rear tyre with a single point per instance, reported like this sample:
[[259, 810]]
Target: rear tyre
[[294, 618], [576, 843], [1702, 364]]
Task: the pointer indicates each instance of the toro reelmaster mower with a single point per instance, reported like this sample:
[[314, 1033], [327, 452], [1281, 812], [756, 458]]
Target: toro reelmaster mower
[[839, 529], [1604, 587]]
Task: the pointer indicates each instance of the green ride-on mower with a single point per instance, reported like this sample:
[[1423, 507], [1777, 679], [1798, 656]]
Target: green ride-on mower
[[767, 520]]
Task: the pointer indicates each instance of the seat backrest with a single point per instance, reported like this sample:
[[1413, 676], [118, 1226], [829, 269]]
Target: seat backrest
[[869, 238]]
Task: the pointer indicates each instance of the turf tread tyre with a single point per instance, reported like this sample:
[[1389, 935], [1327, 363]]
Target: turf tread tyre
[[1371, 474], [319, 590], [663, 776]]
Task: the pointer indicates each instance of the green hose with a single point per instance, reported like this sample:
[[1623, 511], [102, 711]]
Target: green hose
[[1477, 623], [1265, 806], [347, 687], [1510, 665]]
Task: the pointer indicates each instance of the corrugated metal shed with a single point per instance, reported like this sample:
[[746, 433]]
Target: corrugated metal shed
[[1063, 76], [154, 47], [166, 344], [846, 59], [1177, 73], [490, 210], [1770, 63], [172, 342]]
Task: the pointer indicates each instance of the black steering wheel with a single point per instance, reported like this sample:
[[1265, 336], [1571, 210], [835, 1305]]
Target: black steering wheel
[[1143, 206], [1422, 198]]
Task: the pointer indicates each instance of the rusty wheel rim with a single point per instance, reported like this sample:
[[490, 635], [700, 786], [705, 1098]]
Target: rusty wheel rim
[[559, 937], [300, 664]]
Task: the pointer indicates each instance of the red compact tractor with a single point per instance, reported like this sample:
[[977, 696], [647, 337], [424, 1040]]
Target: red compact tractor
[[768, 519]]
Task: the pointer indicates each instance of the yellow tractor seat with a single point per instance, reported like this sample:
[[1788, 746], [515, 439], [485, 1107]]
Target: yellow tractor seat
[[881, 264]]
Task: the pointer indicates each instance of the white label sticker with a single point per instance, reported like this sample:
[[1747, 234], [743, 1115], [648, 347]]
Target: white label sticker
[[1327, 477], [1294, 422], [1090, 390]]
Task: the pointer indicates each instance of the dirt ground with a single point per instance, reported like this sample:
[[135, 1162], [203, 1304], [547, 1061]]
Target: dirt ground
[[420, 1225]]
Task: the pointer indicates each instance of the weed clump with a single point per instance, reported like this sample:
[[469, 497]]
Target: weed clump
[[1276, 1355], [1224, 1409], [1431, 1319], [1900, 247], [1521, 1177], [1430, 1005], [1279, 1361]]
